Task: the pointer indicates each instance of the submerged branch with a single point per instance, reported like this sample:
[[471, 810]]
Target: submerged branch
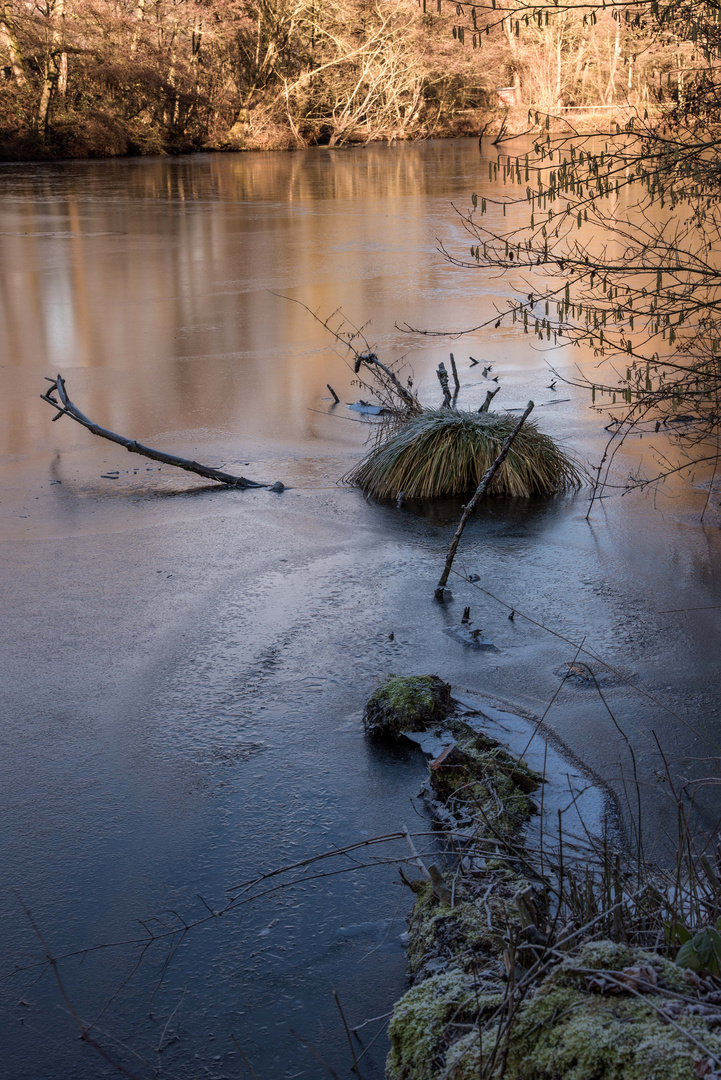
[[369, 359], [66, 407], [387, 387]]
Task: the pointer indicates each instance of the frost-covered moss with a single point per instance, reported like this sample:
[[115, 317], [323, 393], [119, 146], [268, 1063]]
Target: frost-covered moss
[[612, 956], [481, 780], [575, 1022], [419, 1031], [475, 782], [569, 1030], [489, 754], [463, 1058], [407, 703]]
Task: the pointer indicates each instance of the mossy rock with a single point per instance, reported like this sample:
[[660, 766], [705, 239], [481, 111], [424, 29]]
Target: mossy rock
[[407, 703], [426, 1018], [568, 1030]]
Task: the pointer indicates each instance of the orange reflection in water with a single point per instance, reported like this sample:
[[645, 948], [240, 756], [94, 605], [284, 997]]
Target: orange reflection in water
[[149, 283]]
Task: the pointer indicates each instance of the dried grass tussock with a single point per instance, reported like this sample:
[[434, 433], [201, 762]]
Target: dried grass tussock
[[443, 452]]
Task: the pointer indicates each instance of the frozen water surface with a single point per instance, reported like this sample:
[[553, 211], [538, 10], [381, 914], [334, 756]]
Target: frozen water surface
[[184, 667]]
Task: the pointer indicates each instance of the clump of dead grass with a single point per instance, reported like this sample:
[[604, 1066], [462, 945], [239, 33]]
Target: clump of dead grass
[[441, 452]]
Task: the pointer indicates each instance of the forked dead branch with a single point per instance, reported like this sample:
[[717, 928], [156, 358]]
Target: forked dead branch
[[66, 407]]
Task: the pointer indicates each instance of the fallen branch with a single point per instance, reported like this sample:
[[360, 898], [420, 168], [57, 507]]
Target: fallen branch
[[479, 493], [416, 857], [65, 407]]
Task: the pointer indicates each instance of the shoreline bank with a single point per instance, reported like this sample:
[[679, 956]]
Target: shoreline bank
[[538, 952], [100, 141]]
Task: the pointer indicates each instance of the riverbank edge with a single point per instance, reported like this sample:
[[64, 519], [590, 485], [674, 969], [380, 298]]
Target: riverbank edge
[[590, 1008], [101, 139]]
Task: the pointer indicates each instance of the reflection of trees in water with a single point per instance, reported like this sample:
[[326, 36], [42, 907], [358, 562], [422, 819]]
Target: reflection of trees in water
[[157, 273]]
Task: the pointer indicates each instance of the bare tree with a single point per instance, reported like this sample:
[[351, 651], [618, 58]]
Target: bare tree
[[617, 242], [10, 43]]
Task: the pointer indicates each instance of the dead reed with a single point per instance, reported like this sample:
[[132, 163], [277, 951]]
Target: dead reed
[[441, 452]]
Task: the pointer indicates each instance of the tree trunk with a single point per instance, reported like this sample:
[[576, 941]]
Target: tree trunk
[[56, 66], [139, 16], [9, 42], [59, 40], [49, 80], [611, 89]]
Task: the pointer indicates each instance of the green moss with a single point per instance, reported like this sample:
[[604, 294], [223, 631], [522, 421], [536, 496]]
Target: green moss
[[611, 956], [569, 1031], [463, 1058], [490, 755], [407, 703], [425, 1019], [574, 1024], [566, 1030]]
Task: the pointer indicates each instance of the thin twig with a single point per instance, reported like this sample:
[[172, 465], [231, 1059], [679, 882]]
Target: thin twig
[[348, 1034], [245, 1060], [53, 963]]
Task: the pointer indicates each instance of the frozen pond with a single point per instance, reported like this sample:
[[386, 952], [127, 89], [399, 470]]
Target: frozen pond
[[184, 667]]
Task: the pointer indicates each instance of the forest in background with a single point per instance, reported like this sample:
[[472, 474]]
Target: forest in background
[[100, 78]]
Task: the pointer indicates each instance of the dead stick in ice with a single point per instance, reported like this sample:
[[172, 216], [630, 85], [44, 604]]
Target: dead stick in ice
[[443, 380], [456, 382], [490, 394], [479, 493], [244, 1058], [356, 1070], [66, 407]]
